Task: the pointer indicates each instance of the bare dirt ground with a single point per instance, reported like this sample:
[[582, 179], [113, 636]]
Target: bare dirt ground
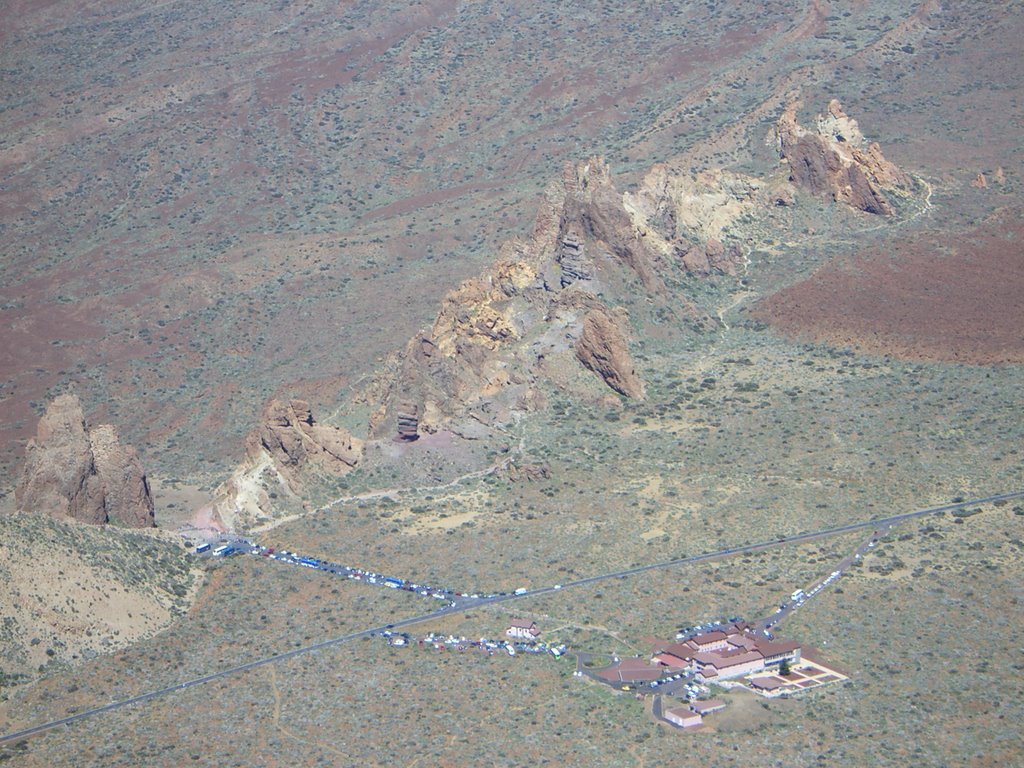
[[931, 297]]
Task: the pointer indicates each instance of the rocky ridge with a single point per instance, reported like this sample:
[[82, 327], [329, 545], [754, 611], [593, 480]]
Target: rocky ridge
[[549, 312], [87, 475], [837, 162], [281, 453], [496, 335]]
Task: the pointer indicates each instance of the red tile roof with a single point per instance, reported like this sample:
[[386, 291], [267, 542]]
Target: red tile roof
[[769, 683], [709, 637], [630, 670], [776, 647], [725, 659]]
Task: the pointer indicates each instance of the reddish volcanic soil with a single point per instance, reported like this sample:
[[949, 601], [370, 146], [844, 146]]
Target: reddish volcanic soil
[[938, 298]]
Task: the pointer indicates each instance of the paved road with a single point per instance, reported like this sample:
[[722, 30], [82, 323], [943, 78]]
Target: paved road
[[791, 605], [877, 524]]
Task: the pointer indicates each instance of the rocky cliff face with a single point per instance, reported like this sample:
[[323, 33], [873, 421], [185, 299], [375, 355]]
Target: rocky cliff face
[[837, 162], [293, 440], [602, 348], [71, 471], [594, 208], [282, 452]]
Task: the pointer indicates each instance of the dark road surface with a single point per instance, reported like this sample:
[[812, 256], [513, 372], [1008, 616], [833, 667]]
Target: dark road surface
[[466, 605]]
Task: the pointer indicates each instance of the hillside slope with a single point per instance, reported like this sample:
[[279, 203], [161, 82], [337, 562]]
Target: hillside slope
[[70, 591]]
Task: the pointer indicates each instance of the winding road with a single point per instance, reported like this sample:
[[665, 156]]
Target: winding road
[[465, 605]]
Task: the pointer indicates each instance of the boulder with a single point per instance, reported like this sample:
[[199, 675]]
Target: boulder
[[602, 349]]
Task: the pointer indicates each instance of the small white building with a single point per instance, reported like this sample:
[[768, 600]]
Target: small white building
[[684, 718], [523, 629]]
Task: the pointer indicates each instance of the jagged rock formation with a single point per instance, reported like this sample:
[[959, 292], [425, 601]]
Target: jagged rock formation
[[293, 439], [480, 362], [87, 475], [602, 349], [536, 313], [501, 341], [836, 161], [282, 452]]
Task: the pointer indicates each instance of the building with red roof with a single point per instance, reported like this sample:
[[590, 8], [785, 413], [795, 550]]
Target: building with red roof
[[523, 629], [731, 652]]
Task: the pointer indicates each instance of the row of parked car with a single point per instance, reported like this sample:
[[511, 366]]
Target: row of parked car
[[445, 594], [711, 626], [358, 574], [443, 642]]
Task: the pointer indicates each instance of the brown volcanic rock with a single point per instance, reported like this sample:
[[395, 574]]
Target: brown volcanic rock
[[837, 162], [292, 438], [86, 475], [126, 490], [602, 348], [713, 256], [60, 476], [524, 472], [595, 208]]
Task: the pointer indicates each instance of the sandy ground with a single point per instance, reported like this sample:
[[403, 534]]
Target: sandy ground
[[65, 599]]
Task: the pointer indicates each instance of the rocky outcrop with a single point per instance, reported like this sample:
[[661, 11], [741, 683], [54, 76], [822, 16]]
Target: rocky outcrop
[[573, 261], [594, 209], [283, 452], [602, 349], [127, 497], [691, 219], [711, 257], [293, 440], [530, 473], [697, 207], [498, 335], [408, 421], [837, 162], [87, 475]]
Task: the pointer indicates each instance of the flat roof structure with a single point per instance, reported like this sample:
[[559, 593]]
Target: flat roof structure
[[707, 707], [684, 718]]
